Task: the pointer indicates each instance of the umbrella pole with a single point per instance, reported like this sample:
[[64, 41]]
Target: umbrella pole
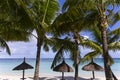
[[93, 74], [23, 73], [62, 75]]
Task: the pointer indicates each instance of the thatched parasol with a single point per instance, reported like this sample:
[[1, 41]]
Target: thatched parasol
[[92, 67], [23, 66], [63, 67]]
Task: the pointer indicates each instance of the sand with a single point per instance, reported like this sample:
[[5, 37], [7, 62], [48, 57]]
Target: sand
[[47, 77]]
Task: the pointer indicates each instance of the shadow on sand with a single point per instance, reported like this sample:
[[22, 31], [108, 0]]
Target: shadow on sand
[[59, 78]]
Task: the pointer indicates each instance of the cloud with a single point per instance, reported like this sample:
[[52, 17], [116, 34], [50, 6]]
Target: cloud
[[20, 49], [29, 49], [25, 49]]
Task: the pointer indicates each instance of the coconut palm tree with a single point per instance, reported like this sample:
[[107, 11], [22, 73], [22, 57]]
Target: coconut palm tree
[[103, 12], [43, 12], [63, 24], [71, 21], [113, 45], [62, 46], [66, 46], [35, 14]]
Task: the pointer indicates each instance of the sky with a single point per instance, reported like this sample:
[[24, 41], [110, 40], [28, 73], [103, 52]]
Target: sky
[[29, 49]]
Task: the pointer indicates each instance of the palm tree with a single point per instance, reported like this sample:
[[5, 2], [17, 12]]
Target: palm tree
[[61, 47], [32, 15], [101, 7], [66, 45], [113, 44], [63, 24], [43, 13], [71, 22]]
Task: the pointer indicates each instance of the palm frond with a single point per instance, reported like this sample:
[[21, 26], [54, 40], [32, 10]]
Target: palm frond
[[75, 56], [92, 45], [14, 34], [58, 57], [111, 61], [48, 42], [115, 46], [78, 4], [3, 45], [45, 10], [90, 18], [89, 56], [113, 38], [115, 32], [66, 43], [96, 35], [114, 18]]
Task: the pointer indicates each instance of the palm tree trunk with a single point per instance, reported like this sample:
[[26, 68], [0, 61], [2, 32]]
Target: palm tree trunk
[[76, 72], [115, 78], [108, 72], [36, 73], [76, 55]]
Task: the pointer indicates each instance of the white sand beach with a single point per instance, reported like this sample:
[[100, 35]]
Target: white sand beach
[[48, 77]]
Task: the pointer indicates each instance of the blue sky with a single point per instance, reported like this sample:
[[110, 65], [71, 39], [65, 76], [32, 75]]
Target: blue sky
[[28, 49]]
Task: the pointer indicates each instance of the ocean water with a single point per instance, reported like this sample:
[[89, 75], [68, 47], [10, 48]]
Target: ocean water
[[6, 66]]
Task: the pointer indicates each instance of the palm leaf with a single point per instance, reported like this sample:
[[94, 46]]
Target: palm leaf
[[92, 45], [3, 45], [58, 57], [115, 32], [115, 46], [89, 56], [96, 35], [62, 46]]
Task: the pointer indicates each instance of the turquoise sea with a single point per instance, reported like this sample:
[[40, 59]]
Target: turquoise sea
[[6, 66]]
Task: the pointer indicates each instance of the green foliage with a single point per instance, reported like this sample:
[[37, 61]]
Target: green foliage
[[68, 22], [44, 10], [96, 44], [62, 46], [3, 45], [114, 46], [115, 32], [89, 56], [92, 45]]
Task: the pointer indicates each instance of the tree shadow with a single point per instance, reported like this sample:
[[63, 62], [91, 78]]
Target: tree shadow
[[59, 78], [72, 78]]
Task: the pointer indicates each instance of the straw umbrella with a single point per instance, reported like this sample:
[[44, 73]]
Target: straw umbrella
[[92, 67], [23, 66], [63, 67]]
